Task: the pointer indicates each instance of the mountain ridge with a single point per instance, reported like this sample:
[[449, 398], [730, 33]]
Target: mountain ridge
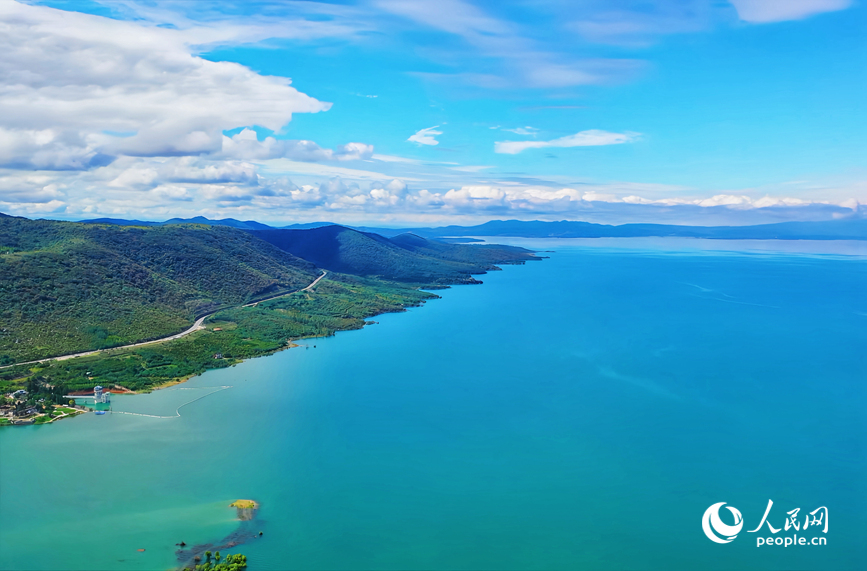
[[67, 287], [854, 228]]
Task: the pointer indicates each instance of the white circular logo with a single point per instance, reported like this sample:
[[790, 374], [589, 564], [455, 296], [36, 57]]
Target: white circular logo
[[715, 529]]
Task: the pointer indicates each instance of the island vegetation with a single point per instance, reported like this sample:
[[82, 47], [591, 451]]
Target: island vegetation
[[215, 562], [244, 504]]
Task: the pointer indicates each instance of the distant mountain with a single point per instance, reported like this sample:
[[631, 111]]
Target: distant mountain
[[405, 258], [121, 222], [844, 229], [245, 225], [308, 225], [231, 222]]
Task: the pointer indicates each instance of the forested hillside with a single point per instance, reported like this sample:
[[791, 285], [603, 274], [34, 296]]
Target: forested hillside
[[406, 258], [68, 287], [338, 303]]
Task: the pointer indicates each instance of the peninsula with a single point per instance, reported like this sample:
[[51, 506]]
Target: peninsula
[[133, 308]]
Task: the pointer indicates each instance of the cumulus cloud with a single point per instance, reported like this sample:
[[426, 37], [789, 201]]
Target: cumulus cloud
[[589, 138], [426, 136], [79, 89], [30, 189], [246, 145], [476, 197], [765, 11], [137, 174], [729, 200], [344, 195]]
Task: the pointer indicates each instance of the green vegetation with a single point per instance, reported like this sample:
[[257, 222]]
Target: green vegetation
[[67, 287], [244, 504], [66, 410], [231, 562], [406, 258], [339, 303], [36, 402]]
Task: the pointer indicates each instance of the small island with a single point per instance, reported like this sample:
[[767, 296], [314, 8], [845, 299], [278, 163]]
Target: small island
[[237, 562], [246, 509]]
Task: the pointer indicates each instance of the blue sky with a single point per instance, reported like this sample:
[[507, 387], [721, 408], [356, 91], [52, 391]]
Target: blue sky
[[435, 112]]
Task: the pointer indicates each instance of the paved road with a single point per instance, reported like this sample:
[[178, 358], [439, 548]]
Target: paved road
[[195, 327], [316, 281]]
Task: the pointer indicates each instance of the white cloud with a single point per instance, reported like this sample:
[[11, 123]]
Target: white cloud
[[135, 173], [174, 192], [224, 193], [426, 136], [70, 80], [471, 168], [765, 11], [395, 159], [247, 146], [628, 24], [523, 130], [476, 197], [286, 166], [730, 200], [525, 62], [589, 138], [30, 188]]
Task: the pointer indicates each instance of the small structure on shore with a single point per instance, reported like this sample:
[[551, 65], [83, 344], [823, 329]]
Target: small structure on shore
[[100, 396]]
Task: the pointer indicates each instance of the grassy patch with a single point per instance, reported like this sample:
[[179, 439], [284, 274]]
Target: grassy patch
[[244, 504]]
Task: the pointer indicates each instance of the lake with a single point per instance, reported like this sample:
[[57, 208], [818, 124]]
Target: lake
[[581, 412]]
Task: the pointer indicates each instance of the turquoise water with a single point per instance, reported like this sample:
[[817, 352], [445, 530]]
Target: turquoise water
[[576, 413]]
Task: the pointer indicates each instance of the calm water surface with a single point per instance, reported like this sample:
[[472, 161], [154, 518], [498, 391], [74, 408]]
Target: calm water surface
[[576, 413]]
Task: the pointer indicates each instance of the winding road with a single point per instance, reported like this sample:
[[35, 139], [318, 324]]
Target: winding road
[[312, 284], [195, 327]]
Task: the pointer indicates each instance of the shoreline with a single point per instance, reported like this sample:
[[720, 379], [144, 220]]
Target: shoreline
[[336, 318], [290, 344]]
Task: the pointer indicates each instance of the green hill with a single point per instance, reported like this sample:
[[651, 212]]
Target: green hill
[[406, 258], [67, 287]]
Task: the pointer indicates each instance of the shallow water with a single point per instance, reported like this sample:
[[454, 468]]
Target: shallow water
[[579, 412]]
